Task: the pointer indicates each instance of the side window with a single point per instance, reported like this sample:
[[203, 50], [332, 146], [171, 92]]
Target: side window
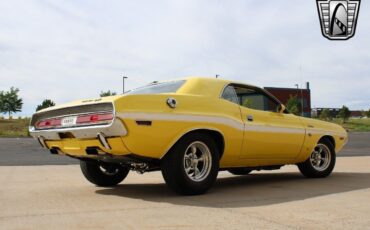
[[230, 95], [255, 99]]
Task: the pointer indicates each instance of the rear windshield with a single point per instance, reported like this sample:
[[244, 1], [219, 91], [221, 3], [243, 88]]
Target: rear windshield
[[165, 87]]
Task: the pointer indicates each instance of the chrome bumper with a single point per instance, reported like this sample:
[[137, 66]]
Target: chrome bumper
[[116, 128]]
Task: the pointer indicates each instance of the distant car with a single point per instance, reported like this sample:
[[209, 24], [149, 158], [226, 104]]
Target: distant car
[[189, 129]]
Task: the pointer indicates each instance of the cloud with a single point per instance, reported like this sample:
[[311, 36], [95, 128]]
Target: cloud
[[67, 50]]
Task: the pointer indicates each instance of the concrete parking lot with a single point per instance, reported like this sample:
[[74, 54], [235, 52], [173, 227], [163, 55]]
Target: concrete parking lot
[[58, 197], [50, 196]]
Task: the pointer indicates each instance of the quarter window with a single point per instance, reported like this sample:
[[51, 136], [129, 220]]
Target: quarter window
[[230, 95]]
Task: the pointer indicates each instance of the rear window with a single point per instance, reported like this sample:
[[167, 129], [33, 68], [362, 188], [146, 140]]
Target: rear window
[[156, 88]]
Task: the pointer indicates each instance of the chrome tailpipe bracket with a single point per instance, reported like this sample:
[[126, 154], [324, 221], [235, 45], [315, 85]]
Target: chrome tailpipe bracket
[[42, 142], [103, 140]]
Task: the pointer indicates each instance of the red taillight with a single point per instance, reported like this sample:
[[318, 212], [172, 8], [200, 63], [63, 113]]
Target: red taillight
[[85, 119], [94, 118], [49, 123]]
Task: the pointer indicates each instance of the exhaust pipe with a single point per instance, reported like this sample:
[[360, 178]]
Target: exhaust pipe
[[103, 141], [41, 140], [55, 151]]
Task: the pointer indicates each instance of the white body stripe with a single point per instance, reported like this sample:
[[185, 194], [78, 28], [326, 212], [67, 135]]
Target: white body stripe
[[274, 129], [239, 125], [183, 117]]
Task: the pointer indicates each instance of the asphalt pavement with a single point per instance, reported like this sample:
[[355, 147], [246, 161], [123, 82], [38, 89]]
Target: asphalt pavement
[[27, 151]]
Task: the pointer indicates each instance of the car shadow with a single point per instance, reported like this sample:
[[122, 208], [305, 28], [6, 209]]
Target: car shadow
[[248, 191]]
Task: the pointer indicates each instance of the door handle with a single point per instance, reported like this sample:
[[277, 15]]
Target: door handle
[[250, 118]]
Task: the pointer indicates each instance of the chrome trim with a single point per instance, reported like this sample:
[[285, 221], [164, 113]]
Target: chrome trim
[[116, 128], [78, 114], [41, 140], [38, 115], [171, 102], [103, 140], [113, 128]]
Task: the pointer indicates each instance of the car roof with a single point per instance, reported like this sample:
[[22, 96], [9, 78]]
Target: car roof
[[206, 86]]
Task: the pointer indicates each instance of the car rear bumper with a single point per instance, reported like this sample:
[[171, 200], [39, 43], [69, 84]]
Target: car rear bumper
[[116, 128], [82, 141]]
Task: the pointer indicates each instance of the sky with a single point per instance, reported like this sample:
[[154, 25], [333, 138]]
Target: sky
[[69, 50]]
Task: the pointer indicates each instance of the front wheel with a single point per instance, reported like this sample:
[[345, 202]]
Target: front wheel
[[103, 174], [321, 161], [191, 166]]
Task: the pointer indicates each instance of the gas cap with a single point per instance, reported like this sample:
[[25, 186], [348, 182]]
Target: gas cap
[[171, 102]]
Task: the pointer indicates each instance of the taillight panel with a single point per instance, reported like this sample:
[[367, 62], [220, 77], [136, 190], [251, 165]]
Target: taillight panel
[[93, 118], [80, 120]]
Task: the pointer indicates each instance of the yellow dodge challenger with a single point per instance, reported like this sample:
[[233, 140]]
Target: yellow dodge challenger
[[190, 129]]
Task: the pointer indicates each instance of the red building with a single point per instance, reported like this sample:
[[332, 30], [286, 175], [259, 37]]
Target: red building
[[303, 95]]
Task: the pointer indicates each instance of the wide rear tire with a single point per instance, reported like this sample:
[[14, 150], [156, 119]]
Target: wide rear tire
[[191, 166], [103, 174], [321, 161]]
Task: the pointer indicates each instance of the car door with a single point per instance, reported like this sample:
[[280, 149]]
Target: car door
[[269, 133]]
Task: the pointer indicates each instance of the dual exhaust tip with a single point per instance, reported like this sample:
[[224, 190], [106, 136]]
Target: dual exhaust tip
[[101, 137]]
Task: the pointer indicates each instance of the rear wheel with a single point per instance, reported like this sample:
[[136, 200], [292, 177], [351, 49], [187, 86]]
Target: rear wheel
[[191, 166], [240, 171], [321, 161], [103, 174]]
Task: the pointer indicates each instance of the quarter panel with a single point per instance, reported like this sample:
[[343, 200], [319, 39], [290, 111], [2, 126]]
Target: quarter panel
[[168, 125]]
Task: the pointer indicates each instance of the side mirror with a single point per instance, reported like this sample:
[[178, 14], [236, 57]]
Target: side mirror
[[281, 108]]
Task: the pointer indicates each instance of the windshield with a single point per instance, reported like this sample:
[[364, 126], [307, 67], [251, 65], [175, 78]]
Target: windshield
[[156, 88]]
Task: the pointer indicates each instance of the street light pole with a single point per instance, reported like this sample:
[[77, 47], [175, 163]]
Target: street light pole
[[301, 98], [123, 78], [296, 85]]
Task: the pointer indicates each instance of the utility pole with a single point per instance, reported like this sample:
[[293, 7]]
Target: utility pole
[[123, 78]]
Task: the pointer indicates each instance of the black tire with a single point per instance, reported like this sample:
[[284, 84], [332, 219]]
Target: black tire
[[240, 171], [103, 174], [308, 169], [174, 165]]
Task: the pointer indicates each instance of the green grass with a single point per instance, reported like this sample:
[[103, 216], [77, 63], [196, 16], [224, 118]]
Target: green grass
[[14, 127], [355, 125]]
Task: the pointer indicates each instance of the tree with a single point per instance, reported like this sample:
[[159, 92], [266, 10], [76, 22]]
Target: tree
[[45, 104], [368, 114], [10, 101], [107, 93], [325, 115], [247, 103], [293, 105], [344, 113]]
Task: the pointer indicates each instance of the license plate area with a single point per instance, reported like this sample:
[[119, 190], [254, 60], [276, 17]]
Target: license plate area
[[69, 121]]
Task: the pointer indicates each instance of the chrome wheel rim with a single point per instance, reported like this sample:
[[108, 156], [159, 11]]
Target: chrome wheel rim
[[197, 161], [320, 158]]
